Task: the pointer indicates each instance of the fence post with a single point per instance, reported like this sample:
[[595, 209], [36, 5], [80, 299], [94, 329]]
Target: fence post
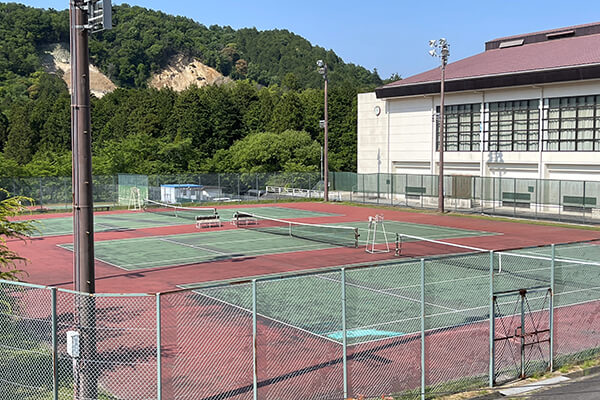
[[219, 185], [254, 343], [537, 201], [364, 199], [378, 188], [41, 202], [492, 322], [54, 345], [344, 335], [422, 194], [583, 208], [158, 349], [391, 178], [559, 199], [481, 188], [422, 329], [493, 194], [257, 190], [552, 272]]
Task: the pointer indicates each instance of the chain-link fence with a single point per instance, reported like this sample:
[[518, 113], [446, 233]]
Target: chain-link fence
[[532, 198], [413, 328], [562, 200]]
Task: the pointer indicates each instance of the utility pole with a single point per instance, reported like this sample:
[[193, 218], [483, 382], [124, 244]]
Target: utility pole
[[439, 48], [323, 71], [85, 16]]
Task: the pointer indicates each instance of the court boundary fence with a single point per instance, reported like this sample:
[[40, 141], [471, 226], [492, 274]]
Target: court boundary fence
[[218, 341], [561, 200]]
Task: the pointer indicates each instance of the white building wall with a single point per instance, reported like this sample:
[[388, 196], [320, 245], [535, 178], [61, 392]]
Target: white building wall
[[404, 136], [372, 134]]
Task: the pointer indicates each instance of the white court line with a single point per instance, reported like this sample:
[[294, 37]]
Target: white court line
[[267, 317], [387, 294], [192, 246], [246, 254]]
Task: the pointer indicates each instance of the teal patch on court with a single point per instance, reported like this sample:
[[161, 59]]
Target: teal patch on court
[[355, 333]]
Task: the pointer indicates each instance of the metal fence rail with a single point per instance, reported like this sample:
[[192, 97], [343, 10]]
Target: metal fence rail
[[413, 328], [560, 200]]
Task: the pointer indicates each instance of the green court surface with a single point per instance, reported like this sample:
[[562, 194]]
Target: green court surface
[[162, 251], [384, 302], [139, 220]]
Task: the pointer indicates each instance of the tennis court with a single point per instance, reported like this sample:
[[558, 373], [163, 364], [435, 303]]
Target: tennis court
[[211, 245], [124, 221], [385, 302]]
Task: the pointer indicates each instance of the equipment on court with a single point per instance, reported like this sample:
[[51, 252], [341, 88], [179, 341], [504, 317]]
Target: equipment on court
[[173, 210], [135, 199], [374, 222], [331, 234]]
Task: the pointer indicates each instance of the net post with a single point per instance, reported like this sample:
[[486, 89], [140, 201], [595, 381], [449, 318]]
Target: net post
[[254, 344], [422, 329], [158, 349], [492, 323], [356, 236], [54, 344], [344, 333], [551, 316]]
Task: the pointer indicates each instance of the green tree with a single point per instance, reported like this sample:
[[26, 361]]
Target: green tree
[[269, 152], [10, 207], [19, 144], [288, 113], [3, 130]]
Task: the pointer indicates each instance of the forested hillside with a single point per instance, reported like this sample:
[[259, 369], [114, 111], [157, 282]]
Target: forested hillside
[[274, 104]]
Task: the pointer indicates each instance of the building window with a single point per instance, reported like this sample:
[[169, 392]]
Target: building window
[[513, 126], [572, 124], [462, 127]]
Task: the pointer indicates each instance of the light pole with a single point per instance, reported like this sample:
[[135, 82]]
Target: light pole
[[323, 71], [439, 48], [85, 16]]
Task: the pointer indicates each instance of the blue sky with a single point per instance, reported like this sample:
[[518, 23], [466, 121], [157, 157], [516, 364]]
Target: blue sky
[[391, 36]]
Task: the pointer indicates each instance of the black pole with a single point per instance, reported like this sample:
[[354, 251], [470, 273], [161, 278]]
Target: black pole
[[83, 216], [441, 140], [86, 386], [325, 140]]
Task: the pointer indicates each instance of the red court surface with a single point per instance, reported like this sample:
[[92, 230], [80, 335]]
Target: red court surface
[[207, 346], [53, 266]]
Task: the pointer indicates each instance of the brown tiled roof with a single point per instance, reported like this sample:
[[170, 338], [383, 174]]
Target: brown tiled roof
[[555, 30], [546, 55]]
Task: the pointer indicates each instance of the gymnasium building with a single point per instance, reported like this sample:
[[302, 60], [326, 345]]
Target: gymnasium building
[[526, 107]]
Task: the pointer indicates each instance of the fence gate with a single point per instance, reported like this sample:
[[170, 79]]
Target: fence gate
[[521, 333]]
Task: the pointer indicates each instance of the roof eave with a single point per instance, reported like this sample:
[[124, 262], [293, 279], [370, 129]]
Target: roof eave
[[536, 77]]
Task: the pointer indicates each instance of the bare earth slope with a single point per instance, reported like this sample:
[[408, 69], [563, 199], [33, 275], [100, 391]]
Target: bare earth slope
[[56, 59], [183, 72]]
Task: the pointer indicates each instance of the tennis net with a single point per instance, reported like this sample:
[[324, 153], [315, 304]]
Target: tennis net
[[332, 234], [415, 246], [177, 211]]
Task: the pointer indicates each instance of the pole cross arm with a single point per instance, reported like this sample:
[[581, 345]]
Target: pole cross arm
[[99, 15]]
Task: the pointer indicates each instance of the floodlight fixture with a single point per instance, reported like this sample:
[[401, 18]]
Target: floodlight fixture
[[320, 63], [99, 15], [432, 43], [432, 53]]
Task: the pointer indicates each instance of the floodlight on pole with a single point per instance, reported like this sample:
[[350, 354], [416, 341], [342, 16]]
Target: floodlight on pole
[[440, 48], [322, 69]]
